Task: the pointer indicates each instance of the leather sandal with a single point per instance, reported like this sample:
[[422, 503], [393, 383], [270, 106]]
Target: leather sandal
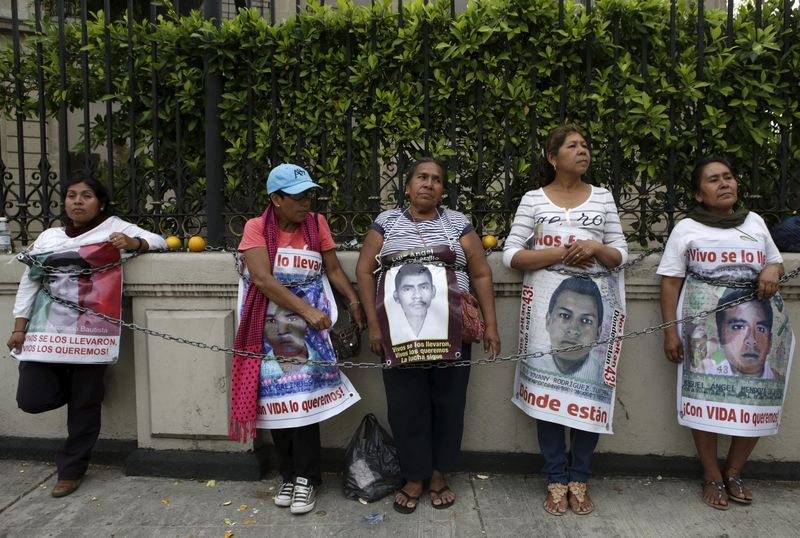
[[735, 487], [720, 488], [555, 491], [577, 491], [65, 487]]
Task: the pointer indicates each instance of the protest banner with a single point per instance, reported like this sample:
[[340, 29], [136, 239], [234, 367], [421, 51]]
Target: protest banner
[[419, 306], [61, 334], [574, 388]]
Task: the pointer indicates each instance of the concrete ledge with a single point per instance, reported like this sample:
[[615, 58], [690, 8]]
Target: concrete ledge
[[199, 464], [106, 451]]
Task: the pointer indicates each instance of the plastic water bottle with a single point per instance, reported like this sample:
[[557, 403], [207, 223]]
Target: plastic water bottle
[[5, 237]]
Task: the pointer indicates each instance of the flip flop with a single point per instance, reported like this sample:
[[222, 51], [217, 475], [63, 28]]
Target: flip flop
[[737, 483], [720, 487], [438, 493], [404, 508]]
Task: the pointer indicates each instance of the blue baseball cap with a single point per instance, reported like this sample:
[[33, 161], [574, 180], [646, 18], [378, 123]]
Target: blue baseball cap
[[290, 179]]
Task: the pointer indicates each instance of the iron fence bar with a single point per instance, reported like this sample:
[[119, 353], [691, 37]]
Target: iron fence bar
[[348, 118], [401, 153], [755, 169], [784, 156], [452, 164], [644, 176], [215, 191], [63, 132], [44, 166], [729, 42], [374, 172], [109, 111], [506, 144], [562, 76], [88, 168], [698, 116], [532, 118], [426, 114], [155, 109], [273, 145], [132, 115], [478, 182], [587, 4], [672, 157], [616, 185], [299, 143], [178, 167], [19, 96]]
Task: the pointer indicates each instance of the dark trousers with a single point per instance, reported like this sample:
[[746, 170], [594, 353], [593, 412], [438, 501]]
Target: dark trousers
[[426, 414], [44, 387], [298, 453], [560, 466]]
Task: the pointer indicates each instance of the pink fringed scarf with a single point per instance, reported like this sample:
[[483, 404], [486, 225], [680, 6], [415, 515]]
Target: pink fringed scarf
[[250, 336]]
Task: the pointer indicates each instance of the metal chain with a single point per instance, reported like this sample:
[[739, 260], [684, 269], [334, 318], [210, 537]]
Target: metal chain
[[31, 261], [440, 364], [743, 284], [606, 272]]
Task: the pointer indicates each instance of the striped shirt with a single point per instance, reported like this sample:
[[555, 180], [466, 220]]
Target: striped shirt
[[446, 228], [597, 216]]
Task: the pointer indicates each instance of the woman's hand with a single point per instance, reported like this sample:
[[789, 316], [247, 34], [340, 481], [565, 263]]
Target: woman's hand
[[316, 318], [357, 315], [769, 280], [491, 342], [375, 339], [581, 253], [15, 341], [673, 348], [124, 242]]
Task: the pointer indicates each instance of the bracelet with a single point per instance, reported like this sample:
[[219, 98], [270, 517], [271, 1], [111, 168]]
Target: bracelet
[[354, 302], [18, 331]]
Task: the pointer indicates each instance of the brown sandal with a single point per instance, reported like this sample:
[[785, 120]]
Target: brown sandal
[[735, 487], [577, 491], [555, 492], [720, 488]]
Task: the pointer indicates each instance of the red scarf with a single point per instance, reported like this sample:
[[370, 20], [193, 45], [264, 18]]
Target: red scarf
[[250, 336]]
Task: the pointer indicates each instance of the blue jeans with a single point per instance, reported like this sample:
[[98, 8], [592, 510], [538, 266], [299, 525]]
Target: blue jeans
[[559, 465]]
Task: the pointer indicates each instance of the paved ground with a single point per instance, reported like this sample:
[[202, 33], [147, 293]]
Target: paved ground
[[112, 504]]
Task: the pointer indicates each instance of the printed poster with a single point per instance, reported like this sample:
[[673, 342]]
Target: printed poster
[[59, 333], [573, 383], [736, 362], [419, 307], [298, 394]]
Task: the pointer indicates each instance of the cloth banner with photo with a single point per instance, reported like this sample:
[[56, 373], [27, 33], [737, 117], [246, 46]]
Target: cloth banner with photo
[[419, 306], [292, 395], [59, 333], [574, 388], [736, 362]]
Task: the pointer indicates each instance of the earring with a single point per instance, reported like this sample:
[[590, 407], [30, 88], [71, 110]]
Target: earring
[[277, 205]]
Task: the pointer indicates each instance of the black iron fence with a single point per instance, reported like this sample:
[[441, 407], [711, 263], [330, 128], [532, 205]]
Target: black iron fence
[[183, 117]]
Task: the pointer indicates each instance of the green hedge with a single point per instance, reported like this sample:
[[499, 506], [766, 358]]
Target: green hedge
[[482, 69]]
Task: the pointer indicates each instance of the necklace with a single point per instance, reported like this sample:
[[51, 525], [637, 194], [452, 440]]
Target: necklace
[[416, 225]]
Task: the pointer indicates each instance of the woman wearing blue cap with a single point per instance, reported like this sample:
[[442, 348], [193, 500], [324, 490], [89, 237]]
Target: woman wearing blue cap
[[285, 317]]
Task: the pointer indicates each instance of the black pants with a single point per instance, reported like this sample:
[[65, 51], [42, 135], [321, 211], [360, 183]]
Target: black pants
[[426, 414], [298, 453], [44, 387]]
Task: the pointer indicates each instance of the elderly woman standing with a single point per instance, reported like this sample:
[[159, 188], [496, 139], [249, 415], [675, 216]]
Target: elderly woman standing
[[52, 383], [289, 256], [719, 240], [566, 222], [425, 406]]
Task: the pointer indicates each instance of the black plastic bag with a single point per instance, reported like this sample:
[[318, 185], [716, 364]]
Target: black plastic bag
[[787, 234], [372, 469]]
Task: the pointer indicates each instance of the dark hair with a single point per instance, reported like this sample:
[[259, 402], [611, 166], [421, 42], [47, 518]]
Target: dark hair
[[411, 170], [99, 190], [411, 269], [697, 172], [731, 294], [553, 143], [582, 286]]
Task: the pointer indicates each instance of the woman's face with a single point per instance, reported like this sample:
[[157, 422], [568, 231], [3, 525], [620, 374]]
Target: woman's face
[[718, 190], [293, 207], [573, 157], [81, 204], [425, 188], [285, 331]]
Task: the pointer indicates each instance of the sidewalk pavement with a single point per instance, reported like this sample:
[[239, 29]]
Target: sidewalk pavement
[[110, 504]]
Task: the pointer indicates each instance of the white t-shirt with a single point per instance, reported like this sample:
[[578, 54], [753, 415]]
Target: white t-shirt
[[736, 253]]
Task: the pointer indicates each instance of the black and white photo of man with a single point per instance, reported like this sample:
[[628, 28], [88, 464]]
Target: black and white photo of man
[[415, 293]]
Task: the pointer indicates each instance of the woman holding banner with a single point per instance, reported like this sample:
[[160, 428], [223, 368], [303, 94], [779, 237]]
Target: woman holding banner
[[287, 308], [709, 254], [52, 373], [566, 380], [426, 257]]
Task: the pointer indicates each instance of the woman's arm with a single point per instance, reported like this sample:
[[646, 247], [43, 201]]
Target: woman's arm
[[342, 284], [670, 292], [769, 280], [257, 261], [366, 287], [480, 275], [136, 238]]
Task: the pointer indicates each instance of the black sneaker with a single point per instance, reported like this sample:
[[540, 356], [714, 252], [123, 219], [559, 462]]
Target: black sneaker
[[284, 496], [304, 497]]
